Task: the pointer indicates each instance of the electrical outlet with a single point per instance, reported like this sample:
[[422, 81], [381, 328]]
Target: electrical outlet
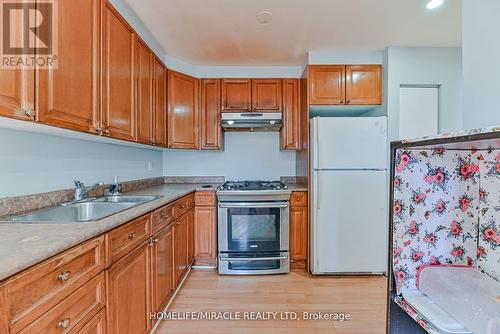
[[150, 165]]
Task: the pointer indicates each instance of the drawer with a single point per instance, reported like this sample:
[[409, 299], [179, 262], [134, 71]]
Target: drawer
[[95, 326], [298, 198], [205, 198], [125, 238], [162, 217], [183, 205], [74, 312], [28, 295]]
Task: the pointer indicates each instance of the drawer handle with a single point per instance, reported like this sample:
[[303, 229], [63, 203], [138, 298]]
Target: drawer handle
[[297, 198], [183, 206], [64, 276], [165, 216], [63, 323], [178, 223], [132, 235], [156, 240]]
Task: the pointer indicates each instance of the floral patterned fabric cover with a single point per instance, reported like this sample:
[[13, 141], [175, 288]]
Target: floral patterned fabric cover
[[435, 211], [488, 251], [446, 210]]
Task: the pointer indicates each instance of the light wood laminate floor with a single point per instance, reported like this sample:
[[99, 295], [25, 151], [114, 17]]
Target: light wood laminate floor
[[364, 298]]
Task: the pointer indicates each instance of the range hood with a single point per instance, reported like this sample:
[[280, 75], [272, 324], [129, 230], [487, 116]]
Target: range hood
[[251, 121]]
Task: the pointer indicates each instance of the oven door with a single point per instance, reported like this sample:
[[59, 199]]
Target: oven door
[[253, 227]]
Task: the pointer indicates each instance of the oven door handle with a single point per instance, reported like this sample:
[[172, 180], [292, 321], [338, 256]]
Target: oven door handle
[[253, 205], [221, 258]]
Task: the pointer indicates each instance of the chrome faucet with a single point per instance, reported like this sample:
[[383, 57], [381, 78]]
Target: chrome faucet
[[81, 191]]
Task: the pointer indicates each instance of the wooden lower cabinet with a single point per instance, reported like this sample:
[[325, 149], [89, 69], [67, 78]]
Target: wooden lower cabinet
[[180, 248], [190, 237], [205, 233], [129, 293], [88, 290], [299, 226], [162, 267]]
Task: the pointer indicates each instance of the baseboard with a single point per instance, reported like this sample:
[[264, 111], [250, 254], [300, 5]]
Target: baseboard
[[172, 298]]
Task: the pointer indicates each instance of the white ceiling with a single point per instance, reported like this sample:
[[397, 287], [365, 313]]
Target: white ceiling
[[226, 32]]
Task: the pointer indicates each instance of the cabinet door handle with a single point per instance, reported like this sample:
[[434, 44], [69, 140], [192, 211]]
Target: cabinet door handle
[[183, 206], [106, 131], [64, 276], [348, 101], [98, 130], [156, 240], [30, 113], [132, 235], [164, 216], [341, 101], [63, 323]]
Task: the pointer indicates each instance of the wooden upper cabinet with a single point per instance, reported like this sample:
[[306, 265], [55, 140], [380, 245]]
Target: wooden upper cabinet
[[363, 84], [118, 107], [160, 104], [236, 95], [211, 130], [290, 131], [68, 95], [144, 92], [182, 111], [129, 293], [326, 84], [17, 86], [266, 95], [17, 91]]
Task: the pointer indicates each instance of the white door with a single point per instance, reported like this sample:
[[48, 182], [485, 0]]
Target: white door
[[418, 111], [349, 222], [349, 142]]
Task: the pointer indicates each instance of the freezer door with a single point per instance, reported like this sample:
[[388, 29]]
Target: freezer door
[[349, 143], [349, 222]]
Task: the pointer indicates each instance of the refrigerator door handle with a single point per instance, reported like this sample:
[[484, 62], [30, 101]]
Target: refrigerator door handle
[[317, 143], [317, 193]]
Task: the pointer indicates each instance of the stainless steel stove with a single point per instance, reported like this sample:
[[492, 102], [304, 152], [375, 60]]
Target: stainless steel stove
[[253, 228]]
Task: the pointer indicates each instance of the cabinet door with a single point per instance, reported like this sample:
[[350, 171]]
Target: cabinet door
[[162, 268], [160, 104], [129, 293], [182, 111], [298, 233], [68, 96], [266, 95], [236, 95], [190, 237], [144, 92], [205, 233], [363, 84], [211, 130], [290, 131], [326, 84], [118, 109], [180, 249], [17, 86]]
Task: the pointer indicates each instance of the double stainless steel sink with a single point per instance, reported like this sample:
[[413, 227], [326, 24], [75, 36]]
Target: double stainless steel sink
[[85, 210]]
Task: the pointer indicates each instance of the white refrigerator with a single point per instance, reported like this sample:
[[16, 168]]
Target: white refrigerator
[[349, 198]]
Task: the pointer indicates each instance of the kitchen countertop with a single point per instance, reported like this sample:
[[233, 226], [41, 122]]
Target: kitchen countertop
[[297, 186], [24, 244]]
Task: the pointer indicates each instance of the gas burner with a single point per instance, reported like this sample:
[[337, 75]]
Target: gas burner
[[253, 185]]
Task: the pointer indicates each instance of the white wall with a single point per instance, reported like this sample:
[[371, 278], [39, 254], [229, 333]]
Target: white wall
[[321, 57], [247, 156], [481, 65], [32, 163], [440, 66]]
